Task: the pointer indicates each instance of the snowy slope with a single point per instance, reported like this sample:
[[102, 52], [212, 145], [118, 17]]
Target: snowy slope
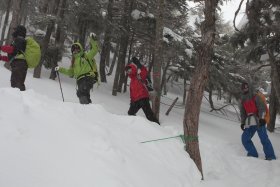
[[45, 142]]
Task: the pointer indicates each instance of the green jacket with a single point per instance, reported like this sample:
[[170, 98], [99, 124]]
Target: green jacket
[[84, 62]]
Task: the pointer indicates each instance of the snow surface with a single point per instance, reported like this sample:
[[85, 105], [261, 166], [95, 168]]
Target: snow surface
[[49, 143]]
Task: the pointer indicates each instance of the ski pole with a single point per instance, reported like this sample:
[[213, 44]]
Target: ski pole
[[60, 86]]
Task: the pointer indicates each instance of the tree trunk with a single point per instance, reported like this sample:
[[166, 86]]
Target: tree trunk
[[273, 106], [52, 9], [16, 4], [158, 58], [44, 47], [15, 19], [275, 72], [185, 90], [106, 45], [114, 59], [123, 77], [82, 30], [5, 23], [123, 44], [59, 37], [198, 82]]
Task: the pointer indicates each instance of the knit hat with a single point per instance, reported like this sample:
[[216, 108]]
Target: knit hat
[[20, 30]]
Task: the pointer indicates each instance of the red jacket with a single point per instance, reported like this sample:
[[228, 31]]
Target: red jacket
[[138, 89], [7, 49]]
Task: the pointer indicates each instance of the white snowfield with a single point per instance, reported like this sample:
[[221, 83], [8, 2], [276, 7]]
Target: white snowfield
[[45, 142]]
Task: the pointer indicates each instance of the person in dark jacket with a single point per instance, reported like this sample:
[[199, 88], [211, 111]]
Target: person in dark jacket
[[83, 69], [252, 112], [16, 58], [139, 95]]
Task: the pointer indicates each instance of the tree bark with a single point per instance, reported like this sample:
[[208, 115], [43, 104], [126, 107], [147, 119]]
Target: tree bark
[[114, 59], [158, 58], [53, 9], [5, 23], [123, 44], [15, 19], [273, 106], [59, 37], [275, 72], [198, 82], [106, 45], [44, 47]]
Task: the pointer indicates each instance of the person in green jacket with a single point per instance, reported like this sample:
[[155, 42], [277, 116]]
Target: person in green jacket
[[83, 68]]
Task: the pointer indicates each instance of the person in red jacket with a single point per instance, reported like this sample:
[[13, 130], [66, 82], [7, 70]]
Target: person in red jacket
[[16, 58], [139, 94]]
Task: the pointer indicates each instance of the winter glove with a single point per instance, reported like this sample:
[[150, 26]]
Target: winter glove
[[242, 126], [262, 122], [93, 36], [56, 68]]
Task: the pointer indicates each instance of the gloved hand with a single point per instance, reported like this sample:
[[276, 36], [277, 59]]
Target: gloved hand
[[93, 36], [56, 68], [242, 126], [137, 62], [262, 122], [0, 48], [0, 57]]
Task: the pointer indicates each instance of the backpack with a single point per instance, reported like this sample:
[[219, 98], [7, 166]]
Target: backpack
[[267, 115], [32, 53]]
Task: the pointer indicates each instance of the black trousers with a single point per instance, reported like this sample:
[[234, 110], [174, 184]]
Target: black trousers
[[146, 107], [85, 84], [19, 71]]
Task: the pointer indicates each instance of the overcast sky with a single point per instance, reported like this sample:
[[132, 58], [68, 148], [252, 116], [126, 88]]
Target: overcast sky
[[229, 9]]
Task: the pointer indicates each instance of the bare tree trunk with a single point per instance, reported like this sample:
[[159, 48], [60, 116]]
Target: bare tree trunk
[[114, 59], [185, 90], [15, 22], [123, 77], [5, 22], [15, 19], [44, 47], [59, 37], [164, 80], [123, 44], [53, 9], [273, 106], [275, 73], [210, 99], [106, 45], [198, 82], [83, 25], [158, 58]]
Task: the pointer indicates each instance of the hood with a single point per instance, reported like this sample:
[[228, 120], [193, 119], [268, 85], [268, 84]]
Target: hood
[[81, 49], [133, 70]]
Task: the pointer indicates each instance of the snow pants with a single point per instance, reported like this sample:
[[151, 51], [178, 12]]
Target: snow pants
[[19, 70], [85, 84], [247, 136], [145, 105]]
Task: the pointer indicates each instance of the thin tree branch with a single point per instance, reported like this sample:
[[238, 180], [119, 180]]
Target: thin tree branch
[[235, 15]]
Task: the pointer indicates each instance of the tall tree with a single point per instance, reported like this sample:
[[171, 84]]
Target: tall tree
[[106, 44], [158, 57], [198, 82], [52, 9], [125, 31]]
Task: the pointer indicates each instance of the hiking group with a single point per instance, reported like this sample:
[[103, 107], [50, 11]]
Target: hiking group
[[253, 108]]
